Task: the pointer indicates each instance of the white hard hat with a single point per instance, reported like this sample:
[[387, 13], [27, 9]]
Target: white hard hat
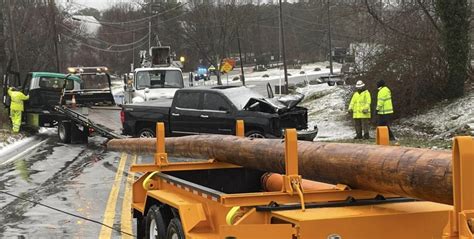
[[360, 84]]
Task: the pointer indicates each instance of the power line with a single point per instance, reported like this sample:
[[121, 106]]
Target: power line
[[102, 49], [67, 213], [305, 21], [105, 42], [135, 20]]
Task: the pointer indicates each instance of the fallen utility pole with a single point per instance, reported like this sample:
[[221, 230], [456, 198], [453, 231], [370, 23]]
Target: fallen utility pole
[[409, 172]]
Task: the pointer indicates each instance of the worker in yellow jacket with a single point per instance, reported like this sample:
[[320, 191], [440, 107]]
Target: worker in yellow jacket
[[384, 107], [360, 109], [16, 107]]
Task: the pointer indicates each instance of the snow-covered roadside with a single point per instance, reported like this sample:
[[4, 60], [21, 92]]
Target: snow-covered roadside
[[443, 121], [276, 73], [8, 139], [306, 70], [327, 109]]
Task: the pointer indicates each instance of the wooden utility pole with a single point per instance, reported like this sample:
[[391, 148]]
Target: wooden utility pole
[[11, 25], [329, 39], [2, 36], [52, 7], [241, 60], [409, 172], [282, 36]]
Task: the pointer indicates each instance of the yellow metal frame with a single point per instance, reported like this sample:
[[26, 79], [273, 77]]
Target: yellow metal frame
[[463, 186], [214, 216], [382, 136]]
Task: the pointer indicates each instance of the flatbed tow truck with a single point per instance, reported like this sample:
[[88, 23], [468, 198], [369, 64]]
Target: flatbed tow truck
[[212, 199], [80, 103]]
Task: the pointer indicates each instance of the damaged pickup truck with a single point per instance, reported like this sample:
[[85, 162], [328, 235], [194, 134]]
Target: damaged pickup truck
[[215, 111]]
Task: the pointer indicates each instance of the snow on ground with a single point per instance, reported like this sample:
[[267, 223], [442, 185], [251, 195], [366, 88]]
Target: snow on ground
[[271, 74], [276, 73], [327, 109], [8, 139], [444, 120]]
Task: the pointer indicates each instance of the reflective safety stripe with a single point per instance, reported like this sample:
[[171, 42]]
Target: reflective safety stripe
[[17, 98], [360, 102], [384, 101]]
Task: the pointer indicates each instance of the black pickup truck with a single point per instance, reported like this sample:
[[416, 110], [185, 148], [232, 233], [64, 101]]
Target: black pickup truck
[[215, 111]]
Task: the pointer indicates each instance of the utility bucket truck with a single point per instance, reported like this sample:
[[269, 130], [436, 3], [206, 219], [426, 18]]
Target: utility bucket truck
[[157, 78]]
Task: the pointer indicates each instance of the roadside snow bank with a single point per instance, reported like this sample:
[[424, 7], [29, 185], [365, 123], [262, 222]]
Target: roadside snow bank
[[327, 109], [7, 139], [307, 70], [12, 142], [443, 121]]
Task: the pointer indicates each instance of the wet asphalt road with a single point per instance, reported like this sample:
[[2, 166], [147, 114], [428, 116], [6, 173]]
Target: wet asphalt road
[[84, 180], [79, 179]]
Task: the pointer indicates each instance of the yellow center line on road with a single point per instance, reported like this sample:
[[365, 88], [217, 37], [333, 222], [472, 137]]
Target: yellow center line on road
[[109, 214], [126, 220]]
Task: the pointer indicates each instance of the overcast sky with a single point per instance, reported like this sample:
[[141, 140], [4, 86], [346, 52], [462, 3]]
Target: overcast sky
[[99, 4]]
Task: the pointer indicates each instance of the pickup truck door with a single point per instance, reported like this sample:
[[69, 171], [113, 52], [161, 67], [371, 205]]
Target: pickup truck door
[[217, 114], [185, 113]]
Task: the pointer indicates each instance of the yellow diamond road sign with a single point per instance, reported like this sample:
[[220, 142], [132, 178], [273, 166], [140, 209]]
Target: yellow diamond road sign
[[226, 67]]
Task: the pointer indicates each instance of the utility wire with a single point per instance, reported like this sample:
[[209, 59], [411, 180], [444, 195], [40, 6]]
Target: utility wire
[[105, 42], [135, 20], [67, 213], [102, 49], [122, 32]]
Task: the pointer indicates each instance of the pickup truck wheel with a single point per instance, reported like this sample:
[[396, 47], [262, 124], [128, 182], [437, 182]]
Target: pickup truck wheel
[[64, 132], [175, 229], [331, 83], [146, 133], [155, 225], [255, 135]]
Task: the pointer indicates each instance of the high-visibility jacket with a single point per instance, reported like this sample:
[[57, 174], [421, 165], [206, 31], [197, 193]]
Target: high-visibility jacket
[[384, 101], [360, 105], [17, 98]]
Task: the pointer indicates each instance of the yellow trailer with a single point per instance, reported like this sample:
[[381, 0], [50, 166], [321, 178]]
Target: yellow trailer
[[212, 199]]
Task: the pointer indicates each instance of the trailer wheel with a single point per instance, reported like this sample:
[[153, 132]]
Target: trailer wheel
[[255, 135], [155, 225], [146, 133], [141, 227], [64, 132], [175, 229]]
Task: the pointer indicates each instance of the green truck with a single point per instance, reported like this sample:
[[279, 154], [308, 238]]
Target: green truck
[[60, 100]]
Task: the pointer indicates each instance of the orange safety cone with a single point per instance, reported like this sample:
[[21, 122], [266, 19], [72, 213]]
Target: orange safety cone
[[73, 102]]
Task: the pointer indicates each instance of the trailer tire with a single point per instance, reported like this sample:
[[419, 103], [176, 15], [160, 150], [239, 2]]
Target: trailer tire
[[64, 132], [155, 224], [146, 133], [254, 134], [141, 227], [175, 229]]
